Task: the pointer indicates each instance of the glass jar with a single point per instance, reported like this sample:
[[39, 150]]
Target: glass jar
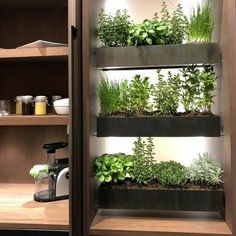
[[54, 98], [18, 105], [40, 106], [27, 106], [5, 107]]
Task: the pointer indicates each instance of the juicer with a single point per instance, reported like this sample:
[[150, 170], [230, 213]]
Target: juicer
[[55, 185]]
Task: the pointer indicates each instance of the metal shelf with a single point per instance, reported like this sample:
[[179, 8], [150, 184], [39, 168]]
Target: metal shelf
[[160, 126], [162, 56]]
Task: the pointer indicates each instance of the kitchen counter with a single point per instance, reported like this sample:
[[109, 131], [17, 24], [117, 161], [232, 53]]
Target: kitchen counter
[[19, 210]]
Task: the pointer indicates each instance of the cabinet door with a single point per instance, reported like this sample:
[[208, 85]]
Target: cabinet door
[[229, 111], [75, 129]]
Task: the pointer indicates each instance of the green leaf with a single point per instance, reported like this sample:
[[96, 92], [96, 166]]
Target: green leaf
[[101, 178], [149, 41], [144, 35]]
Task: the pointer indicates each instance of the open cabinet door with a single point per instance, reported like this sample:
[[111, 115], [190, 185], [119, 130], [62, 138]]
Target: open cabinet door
[[85, 146], [229, 111], [76, 123]]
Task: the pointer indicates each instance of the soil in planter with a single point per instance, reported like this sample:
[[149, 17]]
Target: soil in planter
[[156, 114], [128, 184]]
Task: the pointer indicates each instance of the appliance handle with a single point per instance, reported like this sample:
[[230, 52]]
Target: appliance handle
[[51, 147]]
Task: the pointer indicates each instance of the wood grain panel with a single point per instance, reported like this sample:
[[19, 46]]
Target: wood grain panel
[[21, 148], [33, 78], [229, 110], [19, 210], [33, 3], [91, 144], [19, 26], [129, 225]]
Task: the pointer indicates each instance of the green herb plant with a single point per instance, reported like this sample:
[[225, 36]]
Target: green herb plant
[[207, 86], [134, 96], [149, 32], [111, 168], [109, 96], [177, 24], [197, 88], [171, 174], [205, 170], [139, 94], [166, 93], [169, 29], [144, 162], [114, 30], [201, 23]]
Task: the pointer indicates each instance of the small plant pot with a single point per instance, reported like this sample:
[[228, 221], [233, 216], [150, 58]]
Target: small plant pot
[[168, 200]]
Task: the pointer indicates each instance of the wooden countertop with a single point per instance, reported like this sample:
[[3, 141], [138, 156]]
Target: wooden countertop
[[19, 210]]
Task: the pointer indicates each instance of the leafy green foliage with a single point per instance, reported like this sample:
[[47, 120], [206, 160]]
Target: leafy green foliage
[[139, 93], [179, 25], [170, 29], [207, 86], [109, 96], [201, 23], [171, 173], [197, 88], [205, 170], [134, 96], [114, 30], [111, 168], [143, 170], [166, 93], [150, 32]]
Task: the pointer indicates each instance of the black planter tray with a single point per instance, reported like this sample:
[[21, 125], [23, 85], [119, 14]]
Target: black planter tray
[[168, 200], [159, 126], [153, 56]]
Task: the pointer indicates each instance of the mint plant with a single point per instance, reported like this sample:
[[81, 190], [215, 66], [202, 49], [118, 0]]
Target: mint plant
[[111, 168], [166, 93], [114, 30], [197, 88], [205, 170], [207, 86], [171, 174]]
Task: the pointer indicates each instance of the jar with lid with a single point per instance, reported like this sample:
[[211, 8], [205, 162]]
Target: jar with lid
[[18, 105], [54, 98], [40, 105], [27, 106]]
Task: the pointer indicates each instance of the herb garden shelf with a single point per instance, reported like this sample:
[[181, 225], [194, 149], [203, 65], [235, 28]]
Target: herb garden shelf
[[158, 56], [161, 199], [165, 126]]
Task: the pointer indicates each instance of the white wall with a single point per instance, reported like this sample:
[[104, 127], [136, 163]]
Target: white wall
[[140, 9]]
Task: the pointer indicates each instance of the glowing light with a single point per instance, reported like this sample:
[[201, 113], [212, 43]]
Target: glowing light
[[112, 6]]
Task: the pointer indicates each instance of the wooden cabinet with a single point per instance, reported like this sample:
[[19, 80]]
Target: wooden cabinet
[[31, 71], [120, 222]]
